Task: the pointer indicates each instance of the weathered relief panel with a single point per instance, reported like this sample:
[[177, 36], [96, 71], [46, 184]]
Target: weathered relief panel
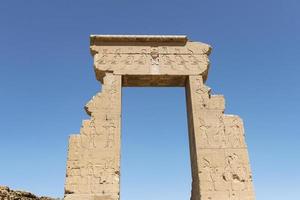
[[220, 163], [93, 166], [149, 58], [219, 157]]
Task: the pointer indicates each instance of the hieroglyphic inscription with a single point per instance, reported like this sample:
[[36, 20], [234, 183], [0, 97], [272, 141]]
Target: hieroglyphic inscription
[[94, 155], [152, 60], [223, 163], [219, 156]]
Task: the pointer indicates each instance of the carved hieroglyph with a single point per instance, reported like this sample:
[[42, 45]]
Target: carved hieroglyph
[[93, 166], [219, 157]]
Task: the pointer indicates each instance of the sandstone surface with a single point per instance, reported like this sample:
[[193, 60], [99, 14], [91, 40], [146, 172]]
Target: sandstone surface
[[220, 163]]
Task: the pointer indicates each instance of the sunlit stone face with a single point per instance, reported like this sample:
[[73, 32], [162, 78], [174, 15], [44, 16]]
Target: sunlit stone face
[[219, 157]]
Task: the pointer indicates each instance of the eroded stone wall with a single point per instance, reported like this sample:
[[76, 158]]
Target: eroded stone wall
[[220, 163], [93, 166]]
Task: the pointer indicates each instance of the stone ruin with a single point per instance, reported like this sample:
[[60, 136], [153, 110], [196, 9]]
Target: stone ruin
[[219, 157]]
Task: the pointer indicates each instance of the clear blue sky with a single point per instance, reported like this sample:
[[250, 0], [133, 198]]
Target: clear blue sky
[[46, 77]]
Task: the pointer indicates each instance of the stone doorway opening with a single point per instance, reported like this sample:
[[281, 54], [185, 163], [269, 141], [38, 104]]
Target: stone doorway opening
[[155, 144], [219, 158]]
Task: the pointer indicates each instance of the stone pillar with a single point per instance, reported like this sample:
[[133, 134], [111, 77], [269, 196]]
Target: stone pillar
[[219, 156], [93, 165]]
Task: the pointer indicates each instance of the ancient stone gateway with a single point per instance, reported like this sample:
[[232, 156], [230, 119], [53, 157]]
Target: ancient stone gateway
[[219, 158]]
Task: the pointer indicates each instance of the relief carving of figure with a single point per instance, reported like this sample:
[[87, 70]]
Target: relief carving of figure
[[221, 132], [154, 61], [237, 134], [235, 173], [110, 137], [109, 126], [204, 135], [92, 135], [104, 171], [116, 57], [111, 93], [104, 57], [234, 134], [210, 174], [203, 92], [167, 60], [218, 137], [90, 176], [192, 58], [143, 57], [180, 61]]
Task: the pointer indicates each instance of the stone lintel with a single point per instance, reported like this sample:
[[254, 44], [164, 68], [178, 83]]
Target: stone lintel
[[138, 38], [160, 60], [154, 80]]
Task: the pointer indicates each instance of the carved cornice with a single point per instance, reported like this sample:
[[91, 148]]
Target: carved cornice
[[138, 38]]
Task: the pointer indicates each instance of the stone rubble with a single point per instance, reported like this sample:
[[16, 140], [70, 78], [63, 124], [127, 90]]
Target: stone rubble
[[7, 194]]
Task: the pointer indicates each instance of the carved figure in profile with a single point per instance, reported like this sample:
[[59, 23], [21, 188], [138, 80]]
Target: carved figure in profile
[[116, 57], [180, 61], [104, 57], [92, 134], [237, 133], [143, 57], [154, 61], [234, 134], [192, 58], [90, 176], [109, 131], [235, 173], [167, 60], [221, 131], [210, 174], [203, 91], [111, 91], [204, 135], [218, 137]]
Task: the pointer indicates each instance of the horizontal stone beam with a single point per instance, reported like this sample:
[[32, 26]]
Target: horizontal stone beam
[[138, 38]]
